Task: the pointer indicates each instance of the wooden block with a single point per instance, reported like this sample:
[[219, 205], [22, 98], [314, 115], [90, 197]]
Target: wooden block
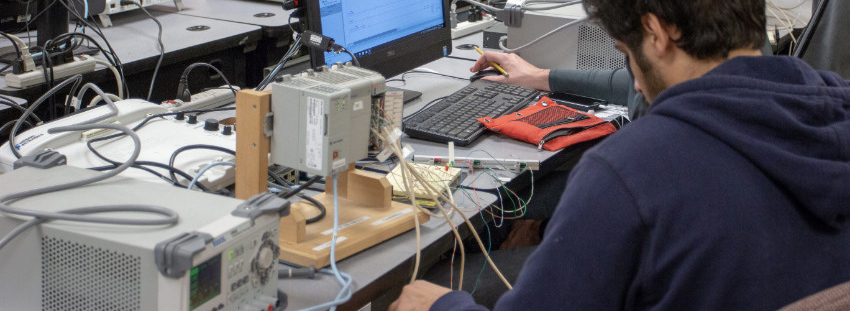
[[367, 216], [361, 227], [293, 228], [252, 145]]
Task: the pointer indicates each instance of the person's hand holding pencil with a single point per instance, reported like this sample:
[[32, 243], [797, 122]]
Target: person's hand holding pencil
[[492, 63], [514, 69]]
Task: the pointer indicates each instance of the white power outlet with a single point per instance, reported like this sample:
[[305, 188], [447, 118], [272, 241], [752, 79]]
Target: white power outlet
[[81, 65]]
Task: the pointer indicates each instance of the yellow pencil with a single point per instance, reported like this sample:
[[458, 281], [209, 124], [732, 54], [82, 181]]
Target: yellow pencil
[[494, 64]]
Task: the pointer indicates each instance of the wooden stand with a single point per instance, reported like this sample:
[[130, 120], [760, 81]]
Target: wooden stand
[[252, 144], [367, 216]]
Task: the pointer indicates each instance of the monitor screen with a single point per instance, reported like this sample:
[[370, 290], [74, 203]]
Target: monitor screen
[[387, 36]]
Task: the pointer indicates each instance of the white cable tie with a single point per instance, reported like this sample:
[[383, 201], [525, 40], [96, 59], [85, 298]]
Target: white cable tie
[[76, 103], [407, 151], [452, 153], [384, 155], [396, 133]]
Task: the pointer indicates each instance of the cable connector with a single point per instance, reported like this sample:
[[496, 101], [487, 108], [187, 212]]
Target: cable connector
[[318, 41], [42, 160], [77, 103], [183, 93], [291, 4], [453, 15], [306, 272], [25, 63], [511, 15]]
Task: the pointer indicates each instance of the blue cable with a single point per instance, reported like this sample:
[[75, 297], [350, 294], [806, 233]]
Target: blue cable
[[343, 279], [204, 170]]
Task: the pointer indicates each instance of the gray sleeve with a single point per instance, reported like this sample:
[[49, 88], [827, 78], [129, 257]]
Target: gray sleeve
[[614, 86]]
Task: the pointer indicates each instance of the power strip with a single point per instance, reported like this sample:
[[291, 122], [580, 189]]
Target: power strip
[[209, 99], [509, 164], [81, 65], [466, 28]]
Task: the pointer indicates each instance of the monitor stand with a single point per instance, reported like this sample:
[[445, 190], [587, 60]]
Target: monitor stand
[[408, 94]]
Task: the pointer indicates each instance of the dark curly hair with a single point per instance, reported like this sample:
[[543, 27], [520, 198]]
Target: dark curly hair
[[709, 28]]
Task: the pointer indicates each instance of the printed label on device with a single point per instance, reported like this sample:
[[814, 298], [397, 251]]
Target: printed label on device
[[327, 244], [390, 217], [346, 225], [315, 132]]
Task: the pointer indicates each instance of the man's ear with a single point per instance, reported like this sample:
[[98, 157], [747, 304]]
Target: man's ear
[[658, 35]]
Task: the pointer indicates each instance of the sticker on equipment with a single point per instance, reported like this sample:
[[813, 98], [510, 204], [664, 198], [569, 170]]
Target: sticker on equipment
[[328, 243], [315, 132]]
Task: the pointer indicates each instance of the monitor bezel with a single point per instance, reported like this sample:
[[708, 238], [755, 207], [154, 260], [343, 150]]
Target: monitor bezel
[[395, 57]]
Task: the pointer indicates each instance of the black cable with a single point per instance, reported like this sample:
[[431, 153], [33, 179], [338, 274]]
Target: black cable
[[158, 38], [11, 103], [74, 89], [170, 168], [271, 76], [15, 44], [319, 205], [432, 73], [53, 47], [353, 58], [192, 147], [89, 39], [461, 58], [289, 21], [159, 165], [47, 62], [302, 187], [97, 30], [183, 92], [136, 166], [11, 123]]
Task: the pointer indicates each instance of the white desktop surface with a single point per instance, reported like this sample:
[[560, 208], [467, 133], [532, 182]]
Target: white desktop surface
[[241, 11]]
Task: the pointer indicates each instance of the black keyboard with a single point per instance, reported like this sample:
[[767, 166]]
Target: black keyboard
[[454, 118]]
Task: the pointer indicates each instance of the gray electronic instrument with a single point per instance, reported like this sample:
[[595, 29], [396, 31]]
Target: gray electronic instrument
[[321, 118], [221, 255], [583, 46]]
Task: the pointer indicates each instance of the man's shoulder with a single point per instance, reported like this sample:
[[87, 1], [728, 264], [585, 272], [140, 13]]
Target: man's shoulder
[[647, 136]]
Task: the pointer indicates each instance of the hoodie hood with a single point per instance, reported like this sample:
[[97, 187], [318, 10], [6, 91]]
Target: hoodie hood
[[791, 121]]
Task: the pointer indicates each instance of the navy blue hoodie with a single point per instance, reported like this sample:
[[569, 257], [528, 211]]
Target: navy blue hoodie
[[732, 193]]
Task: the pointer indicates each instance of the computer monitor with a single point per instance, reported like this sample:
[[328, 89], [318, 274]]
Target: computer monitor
[[387, 36]]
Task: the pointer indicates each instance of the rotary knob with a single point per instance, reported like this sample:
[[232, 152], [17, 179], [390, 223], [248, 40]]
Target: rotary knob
[[211, 125]]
